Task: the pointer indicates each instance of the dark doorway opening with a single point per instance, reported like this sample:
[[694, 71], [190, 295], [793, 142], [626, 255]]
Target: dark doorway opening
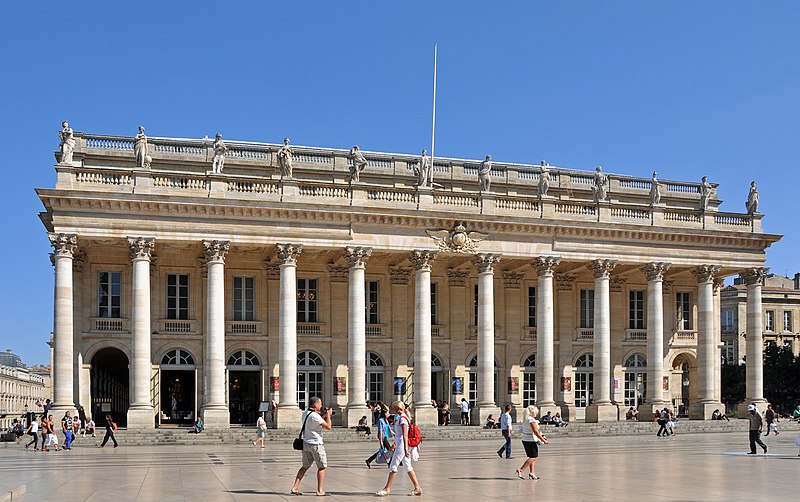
[[110, 386], [177, 397], [244, 392]]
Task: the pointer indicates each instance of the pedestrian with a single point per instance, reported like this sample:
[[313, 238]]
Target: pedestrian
[[314, 420], [531, 439], [33, 431], [52, 439], [261, 431], [756, 426], [110, 428], [772, 420], [384, 445], [66, 429], [505, 425], [662, 422], [464, 412], [402, 452]]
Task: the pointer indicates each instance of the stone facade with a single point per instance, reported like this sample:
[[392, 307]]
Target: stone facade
[[182, 291], [20, 391]]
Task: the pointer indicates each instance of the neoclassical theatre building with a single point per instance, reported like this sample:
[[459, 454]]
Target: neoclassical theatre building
[[205, 277]]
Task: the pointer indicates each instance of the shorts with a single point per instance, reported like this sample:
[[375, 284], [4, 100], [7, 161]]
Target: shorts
[[399, 457], [314, 454], [262, 433], [531, 449]]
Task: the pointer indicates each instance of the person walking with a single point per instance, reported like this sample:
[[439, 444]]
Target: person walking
[[110, 428], [261, 431], [662, 422], [756, 426], [314, 420], [464, 412], [505, 425], [384, 446], [33, 431], [402, 453], [772, 420], [531, 439], [50, 433], [66, 429]]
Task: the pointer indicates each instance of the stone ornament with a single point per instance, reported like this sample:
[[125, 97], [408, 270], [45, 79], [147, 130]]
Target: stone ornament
[[140, 149], [337, 273], [600, 185], [484, 174], [616, 284], [272, 269], [423, 170], [220, 149], [357, 256], [602, 268], [544, 179], [705, 273], [655, 271], [485, 262], [400, 275], [513, 280], [287, 253], [141, 248], [719, 282], [655, 190], [67, 145], [63, 244], [545, 264], [456, 277], [357, 163], [706, 192], [752, 199], [457, 240], [216, 250], [423, 259], [565, 282], [284, 156], [78, 259], [754, 276]]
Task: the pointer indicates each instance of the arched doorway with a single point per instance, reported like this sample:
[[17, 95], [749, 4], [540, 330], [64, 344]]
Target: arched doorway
[[440, 379], [375, 378], [529, 381], [244, 387], [309, 377], [635, 380], [684, 394], [584, 384], [178, 384], [110, 386]]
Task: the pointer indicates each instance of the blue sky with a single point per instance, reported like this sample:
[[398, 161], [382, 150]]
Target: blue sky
[[684, 88]]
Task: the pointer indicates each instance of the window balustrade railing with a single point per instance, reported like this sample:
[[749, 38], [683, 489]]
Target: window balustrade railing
[[178, 326], [374, 330], [110, 324], [636, 335], [309, 329], [684, 337], [243, 327], [529, 333], [584, 334]]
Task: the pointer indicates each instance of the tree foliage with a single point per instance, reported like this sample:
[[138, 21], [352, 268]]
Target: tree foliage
[[781, 378]]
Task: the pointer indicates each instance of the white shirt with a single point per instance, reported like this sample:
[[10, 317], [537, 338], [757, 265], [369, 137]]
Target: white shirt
[[313, 432], [464, 406], [527, 431], [34, 426]]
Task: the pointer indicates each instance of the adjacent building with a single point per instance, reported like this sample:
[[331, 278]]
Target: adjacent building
[[21, 389], [206, 278]]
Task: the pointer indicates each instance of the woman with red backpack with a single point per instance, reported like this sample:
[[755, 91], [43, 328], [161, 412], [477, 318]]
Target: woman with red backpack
[[405, 450]]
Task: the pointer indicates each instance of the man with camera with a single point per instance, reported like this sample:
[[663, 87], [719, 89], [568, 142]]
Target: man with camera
[[314, 420]]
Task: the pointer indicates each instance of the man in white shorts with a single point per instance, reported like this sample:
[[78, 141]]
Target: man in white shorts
[[314, 419]]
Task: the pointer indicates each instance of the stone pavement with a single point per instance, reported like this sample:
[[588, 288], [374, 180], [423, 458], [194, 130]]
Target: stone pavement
[[703, 467]]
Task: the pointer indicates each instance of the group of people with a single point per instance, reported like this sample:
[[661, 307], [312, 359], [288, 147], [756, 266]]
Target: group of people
[[443, 411], [666, 422], [70, 428]]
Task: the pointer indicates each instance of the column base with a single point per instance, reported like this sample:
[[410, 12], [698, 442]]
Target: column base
[[141, 418], [602, 413], [647, 410], [353, 413], [216, 418], [741, 409], [568, 412], [288, 417], [703, 411], [426, 415], [481, 412]]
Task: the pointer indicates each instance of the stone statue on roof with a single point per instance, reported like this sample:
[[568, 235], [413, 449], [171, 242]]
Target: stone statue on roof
[[600, 185], [67, 145], [752, 199], [484, 174], [655, 190], [357, 163], [423, 170], [140, 149], [285, 159], [220, 149], [706, 192], [544, 179]]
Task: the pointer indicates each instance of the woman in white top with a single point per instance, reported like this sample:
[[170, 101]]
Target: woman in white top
[[33, 430], [531, 437], [261, 430], [402, 453]]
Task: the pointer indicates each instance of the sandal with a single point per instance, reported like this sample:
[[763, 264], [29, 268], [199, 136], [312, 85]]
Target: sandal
[[382, 493], [519, 474], [295, 493], [415, 493], [531, 476]]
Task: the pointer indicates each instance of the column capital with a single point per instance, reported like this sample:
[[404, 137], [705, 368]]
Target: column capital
[[272, 269], [457, 277], [287, 253], [654, 271], [754, 276], [337, 273], [545, 264], [400, 275], [63, 244], [564, 282], [705, 273], [423, 258], [485, 262], [513, 279], [141, 248], [215, 250], [357, 256], [719, 282], [602, 268]]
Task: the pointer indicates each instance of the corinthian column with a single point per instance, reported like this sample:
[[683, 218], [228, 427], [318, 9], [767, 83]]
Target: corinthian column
[[64, 246], [423, 411], [215, 409], [602, 410], [140, 413], [655, 337], [288, 411], [486, 398], [705, 343], [544, 333], [356, 335], [754, 339]]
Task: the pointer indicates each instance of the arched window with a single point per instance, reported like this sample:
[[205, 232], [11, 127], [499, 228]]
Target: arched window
[[530, 362], [178, 357], [436, 363], [636, 361], [308, 358], [243, 358], [635, 380], [374, 377], [309, 377], [473, 381], [529, 381], [374, 359], [584, 380], [585, 361]]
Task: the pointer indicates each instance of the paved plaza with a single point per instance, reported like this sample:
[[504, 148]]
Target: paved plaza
[[703, 467]]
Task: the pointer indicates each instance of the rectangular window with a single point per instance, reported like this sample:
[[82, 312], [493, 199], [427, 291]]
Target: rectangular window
[[769, 323], [635, 310], [787, 321], [727, 352], [306, 300], [243, 299], [178, 296], [373, 302], [433, 304], [683, 302], [531, 306], [727, 321], [587, 308], [108, 295], [475, 307]]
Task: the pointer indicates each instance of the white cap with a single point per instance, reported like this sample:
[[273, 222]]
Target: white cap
[[751, 407]]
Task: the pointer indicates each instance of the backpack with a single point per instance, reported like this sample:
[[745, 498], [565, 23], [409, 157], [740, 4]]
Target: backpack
[[414, 435]]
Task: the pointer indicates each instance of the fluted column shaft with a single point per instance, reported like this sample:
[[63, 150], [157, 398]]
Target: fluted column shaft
[[287, 325], [602, 331], [215, 324], [422, 326], [655, 331], [754, 338], [356, 330], [705, 332], [65, 246], [544, 331], [485, 264], [141, 250]]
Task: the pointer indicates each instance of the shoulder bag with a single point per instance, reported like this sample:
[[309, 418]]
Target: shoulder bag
[[298, 442]]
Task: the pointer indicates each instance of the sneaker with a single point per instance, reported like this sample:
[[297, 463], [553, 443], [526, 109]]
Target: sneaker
[[500, 454], [751, 453], [765, 449]]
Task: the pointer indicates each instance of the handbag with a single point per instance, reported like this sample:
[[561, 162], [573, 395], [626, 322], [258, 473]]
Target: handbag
[[297, 444]]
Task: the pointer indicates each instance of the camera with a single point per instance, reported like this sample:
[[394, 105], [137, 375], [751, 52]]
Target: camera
[[331, 410]]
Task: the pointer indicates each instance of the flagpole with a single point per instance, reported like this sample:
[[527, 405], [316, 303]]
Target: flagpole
[[433, 120]]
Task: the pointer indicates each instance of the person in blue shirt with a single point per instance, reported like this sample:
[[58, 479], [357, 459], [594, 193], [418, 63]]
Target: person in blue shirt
[[505, 426]]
